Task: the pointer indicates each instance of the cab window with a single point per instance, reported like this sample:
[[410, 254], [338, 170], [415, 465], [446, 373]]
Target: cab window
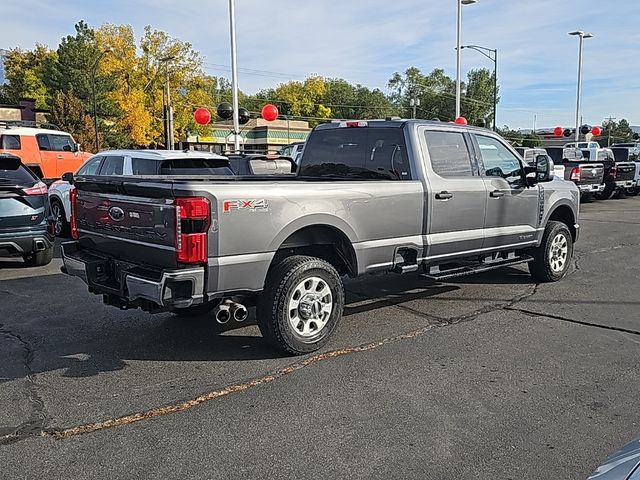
[[43, 141], [10, 142], [498, 160], [61, 143], [91, 167], [449, 154]]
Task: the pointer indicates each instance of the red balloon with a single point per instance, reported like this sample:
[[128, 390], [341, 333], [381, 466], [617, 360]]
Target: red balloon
[[596, 131], [269, 112], [202, 116], [558, 131], [461, 121]]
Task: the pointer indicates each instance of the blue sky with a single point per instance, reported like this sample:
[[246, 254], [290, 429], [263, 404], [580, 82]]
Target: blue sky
[[365, 41]]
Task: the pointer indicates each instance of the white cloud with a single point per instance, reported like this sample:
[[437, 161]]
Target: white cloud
[[367, 40]]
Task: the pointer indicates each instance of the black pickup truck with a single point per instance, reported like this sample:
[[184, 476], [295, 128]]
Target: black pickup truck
[[588, 176], [629, 152], [618, 175]]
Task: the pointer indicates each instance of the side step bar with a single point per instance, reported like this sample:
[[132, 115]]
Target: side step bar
[[478, 268]]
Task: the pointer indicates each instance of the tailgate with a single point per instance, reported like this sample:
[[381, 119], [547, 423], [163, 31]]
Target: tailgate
[[131, 221], [626, 171], [591, 173]]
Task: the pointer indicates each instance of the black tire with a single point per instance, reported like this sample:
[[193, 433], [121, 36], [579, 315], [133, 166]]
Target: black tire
[[632, 192], [607, 193], [619, 193], [287, 279], [63, 229], [586, 198], [545, 264], [195, 310], [39, 259]]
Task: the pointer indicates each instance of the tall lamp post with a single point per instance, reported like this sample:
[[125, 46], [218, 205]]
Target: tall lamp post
[[582, 35], [458, 50], [488, 52], [94, 68], [234, 77]]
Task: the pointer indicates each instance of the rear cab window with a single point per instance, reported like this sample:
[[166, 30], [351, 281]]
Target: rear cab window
[[195, 166], [448, 153], [372, 153]]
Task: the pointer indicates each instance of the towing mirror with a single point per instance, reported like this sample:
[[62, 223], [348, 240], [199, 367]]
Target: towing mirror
[[76, 147], [544, 168]]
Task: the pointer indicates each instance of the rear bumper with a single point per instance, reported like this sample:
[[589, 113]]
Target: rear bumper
[[591, 188], [131, 286], [625, 183], [13, 244]]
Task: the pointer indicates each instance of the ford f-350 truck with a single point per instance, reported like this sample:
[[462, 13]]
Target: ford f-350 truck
[[377, 196]]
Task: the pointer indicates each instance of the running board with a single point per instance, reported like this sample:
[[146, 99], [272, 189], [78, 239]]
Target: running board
[[479, 268]]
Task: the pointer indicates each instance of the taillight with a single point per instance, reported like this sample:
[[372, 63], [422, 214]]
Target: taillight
[[73, 199], [575, 174], [193, 217], [38, 189]]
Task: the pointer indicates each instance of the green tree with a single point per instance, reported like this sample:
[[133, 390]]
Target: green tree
[[616, 132], [477, 102], [68, 113], [24, 75]]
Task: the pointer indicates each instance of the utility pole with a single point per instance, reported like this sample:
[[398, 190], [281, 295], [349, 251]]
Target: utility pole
[[609, 125], [167, 109], [234, 77], [581, 35], [414, 103]]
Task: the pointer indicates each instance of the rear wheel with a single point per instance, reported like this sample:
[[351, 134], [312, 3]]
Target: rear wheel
[[39, 259], [607, 193], [61, 225], [632, 192], [552, 258], [301, 304]]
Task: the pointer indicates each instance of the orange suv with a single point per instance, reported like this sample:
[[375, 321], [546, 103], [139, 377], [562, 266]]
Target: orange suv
[[48, 153]]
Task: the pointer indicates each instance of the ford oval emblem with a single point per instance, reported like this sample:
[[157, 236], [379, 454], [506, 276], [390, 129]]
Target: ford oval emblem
[[116, 214]]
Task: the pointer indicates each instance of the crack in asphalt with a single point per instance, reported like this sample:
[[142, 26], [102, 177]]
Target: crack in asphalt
[[573, 320], [241, 387], [38, 417], [436, 322]]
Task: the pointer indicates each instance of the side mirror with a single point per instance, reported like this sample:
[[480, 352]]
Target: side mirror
[[76, 147], [544, 168], [68, 177]]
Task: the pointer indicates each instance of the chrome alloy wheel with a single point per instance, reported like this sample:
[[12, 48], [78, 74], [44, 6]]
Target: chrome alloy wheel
[[310, 306], [558, 253], [56, 211]]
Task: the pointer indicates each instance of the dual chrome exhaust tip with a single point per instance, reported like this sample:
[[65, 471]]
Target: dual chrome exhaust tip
[[229, 309]]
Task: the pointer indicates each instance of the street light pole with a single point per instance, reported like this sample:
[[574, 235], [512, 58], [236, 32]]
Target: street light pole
[[234, 76], [458, 51], [167, 108], [94, 68], [494, 59], [582, 35]]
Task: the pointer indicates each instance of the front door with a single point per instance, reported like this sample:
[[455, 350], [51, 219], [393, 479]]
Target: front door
[[512, 215], [455, 203]]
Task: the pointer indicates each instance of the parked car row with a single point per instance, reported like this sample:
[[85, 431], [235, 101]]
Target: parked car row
[[600, 173]]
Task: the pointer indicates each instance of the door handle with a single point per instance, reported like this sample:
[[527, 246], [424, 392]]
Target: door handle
[[444, 195], [60, 157], [496, 194]]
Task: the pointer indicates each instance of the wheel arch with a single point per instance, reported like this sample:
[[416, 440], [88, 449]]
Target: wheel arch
[[564, 213], [322, 240]]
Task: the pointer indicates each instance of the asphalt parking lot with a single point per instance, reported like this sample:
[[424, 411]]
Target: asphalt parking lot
[[489, 377]]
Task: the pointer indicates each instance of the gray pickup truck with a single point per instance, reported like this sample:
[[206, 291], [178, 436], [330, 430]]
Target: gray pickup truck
[[380, 196]]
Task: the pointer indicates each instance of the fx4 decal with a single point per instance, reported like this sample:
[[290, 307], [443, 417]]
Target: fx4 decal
[[255, 205]]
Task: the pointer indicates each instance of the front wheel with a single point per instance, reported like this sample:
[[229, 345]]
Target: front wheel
[[301, 304], [552, 258], [632, 192]]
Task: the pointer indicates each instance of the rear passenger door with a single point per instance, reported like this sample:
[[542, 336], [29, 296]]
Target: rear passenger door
[[512, 207], [456, 194]]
